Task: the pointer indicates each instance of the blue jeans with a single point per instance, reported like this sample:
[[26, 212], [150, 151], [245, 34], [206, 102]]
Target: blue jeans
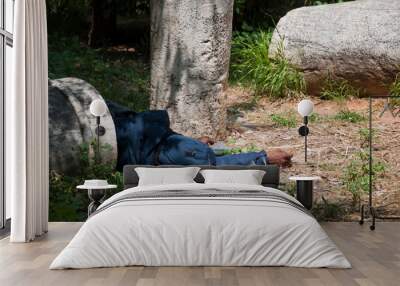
[[181, 150]]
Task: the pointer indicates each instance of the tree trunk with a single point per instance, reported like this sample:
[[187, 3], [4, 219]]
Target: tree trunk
[[190, 51], [103, 22]]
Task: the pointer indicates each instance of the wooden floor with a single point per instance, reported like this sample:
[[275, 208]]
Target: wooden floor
[[375, 257]]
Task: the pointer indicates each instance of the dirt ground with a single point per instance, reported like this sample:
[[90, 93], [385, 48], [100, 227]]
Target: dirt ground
[[332, 144]]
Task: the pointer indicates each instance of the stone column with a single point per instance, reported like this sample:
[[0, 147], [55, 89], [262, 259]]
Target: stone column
[[190, 52]]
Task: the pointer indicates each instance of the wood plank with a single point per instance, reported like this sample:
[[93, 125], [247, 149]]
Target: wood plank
[[375, 257]]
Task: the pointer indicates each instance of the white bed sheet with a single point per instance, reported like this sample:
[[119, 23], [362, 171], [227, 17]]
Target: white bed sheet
[[200, 232]]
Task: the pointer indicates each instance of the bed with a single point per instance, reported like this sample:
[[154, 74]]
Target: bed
[[197, 224]]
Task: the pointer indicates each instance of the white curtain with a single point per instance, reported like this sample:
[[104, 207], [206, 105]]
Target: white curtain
[[27, 124]]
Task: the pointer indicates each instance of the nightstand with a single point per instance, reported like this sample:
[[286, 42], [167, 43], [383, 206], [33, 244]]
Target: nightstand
[[96, 195], [304, 189]]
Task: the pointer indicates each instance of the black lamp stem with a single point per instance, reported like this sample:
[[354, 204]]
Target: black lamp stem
[[305, 148], [98, 139], [305, 138]]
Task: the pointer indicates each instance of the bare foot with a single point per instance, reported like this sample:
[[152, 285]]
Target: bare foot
[[279, 157]]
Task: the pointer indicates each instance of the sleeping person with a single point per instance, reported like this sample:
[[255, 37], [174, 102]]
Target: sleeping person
[[146, 138]]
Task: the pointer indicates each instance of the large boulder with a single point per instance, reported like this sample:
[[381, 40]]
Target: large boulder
[[190, 51], [358, 41], [71, 124]]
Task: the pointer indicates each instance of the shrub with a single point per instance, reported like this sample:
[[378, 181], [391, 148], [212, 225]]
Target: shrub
[[66, 203], [356, 175], [252, 66], [288, 120], [364, 136], [349, 116], [335, 89]]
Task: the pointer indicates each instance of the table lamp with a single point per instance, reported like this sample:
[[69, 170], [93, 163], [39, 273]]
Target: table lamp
[[98, 108], [305, 108]]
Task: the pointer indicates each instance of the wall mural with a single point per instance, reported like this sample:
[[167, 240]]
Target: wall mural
[[218, 83]]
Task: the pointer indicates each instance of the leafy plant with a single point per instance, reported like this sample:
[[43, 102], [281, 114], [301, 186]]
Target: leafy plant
[[252, 65], [68, 204], [280, 120], [395, 87], [349, 116], [356, 175], [338, 89], [364, 135]]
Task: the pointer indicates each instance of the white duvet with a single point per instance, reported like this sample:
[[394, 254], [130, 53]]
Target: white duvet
[[200, 231]]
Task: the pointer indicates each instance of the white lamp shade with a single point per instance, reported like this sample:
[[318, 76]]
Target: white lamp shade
[[98, 107], [305, 107]]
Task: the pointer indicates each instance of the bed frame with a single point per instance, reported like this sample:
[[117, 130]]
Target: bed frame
[[270, 179]]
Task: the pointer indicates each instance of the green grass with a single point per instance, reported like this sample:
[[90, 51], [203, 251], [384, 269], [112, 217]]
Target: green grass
[[349, 116], [335, 89], [68, 204], [395, 91], [238, 150], [315, 118], [395, 87], [284, 120], [118, 76], [251, 66]]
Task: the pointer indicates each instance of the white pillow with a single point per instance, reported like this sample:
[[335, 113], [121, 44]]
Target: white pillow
[[166, 176], [248, 177]]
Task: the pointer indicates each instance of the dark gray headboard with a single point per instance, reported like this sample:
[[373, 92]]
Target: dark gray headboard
[[271, 177]]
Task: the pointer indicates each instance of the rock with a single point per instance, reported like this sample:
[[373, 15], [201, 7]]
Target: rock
[[190, 51], [358, 41], [71, 124]]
